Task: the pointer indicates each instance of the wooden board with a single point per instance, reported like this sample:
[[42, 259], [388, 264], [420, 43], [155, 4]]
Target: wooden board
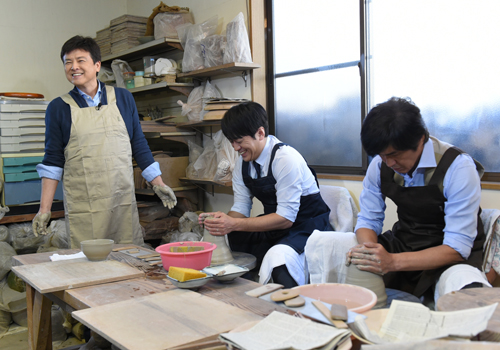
[[471, 298], [61, 275], [215, 114], [163, 320], [221, 105]]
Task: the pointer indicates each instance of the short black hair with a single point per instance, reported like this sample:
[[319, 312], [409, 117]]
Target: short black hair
[[83, 43], [397, 123], [244, 119]]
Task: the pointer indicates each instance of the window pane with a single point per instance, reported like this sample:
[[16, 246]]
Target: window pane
[[320, 115], [315, 33], [441, 55]]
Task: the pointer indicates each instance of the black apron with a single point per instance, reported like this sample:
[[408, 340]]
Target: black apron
[[419, 229], [313, 215]]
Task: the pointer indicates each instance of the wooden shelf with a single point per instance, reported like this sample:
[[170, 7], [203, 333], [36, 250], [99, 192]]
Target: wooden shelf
[[183, 88], [28, 217], [152, 48], [220, 70], [206, 182]]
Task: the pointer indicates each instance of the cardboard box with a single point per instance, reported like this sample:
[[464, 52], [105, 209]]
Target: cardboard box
[[172, 168]]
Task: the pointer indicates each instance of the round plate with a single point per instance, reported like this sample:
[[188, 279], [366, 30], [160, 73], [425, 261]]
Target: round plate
[[233, 271], [355, 298], [21, 94], [190, 284], [161, 64]]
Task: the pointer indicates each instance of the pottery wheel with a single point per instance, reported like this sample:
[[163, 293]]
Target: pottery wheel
[[243, 259]]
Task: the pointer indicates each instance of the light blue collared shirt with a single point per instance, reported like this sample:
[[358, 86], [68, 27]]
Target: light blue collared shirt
[[92, 102], [462, 189], [293, 180]]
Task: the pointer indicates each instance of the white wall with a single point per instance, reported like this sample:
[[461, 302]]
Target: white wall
[[32, 33]]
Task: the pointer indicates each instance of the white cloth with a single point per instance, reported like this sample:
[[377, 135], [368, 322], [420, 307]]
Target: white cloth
[[57, 257], [325, 253], [491, 223], [457, 277], [282, 254], [343, 209]]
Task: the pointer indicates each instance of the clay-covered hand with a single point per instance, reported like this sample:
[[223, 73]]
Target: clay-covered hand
[[371, 257], [40, 222], [166, 195]]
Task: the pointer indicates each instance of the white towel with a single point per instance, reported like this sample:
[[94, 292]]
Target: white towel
[[282, 254], [57, 257], [325, 255], [344, 212]]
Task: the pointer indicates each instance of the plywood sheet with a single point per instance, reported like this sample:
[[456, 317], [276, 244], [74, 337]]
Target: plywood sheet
[[163, 320], [61, 275]]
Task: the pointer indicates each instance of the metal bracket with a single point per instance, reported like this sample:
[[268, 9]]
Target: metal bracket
[[204, 189], [200, 130]]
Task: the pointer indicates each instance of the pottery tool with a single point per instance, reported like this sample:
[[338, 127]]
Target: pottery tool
[[327, 313], [338, 312], [122, 248], [145, 256], [266, 289], [295, 302], [284, 294]]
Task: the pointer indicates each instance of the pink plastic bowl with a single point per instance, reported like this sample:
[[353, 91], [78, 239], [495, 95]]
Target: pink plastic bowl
[[193, 260], [355, 298]]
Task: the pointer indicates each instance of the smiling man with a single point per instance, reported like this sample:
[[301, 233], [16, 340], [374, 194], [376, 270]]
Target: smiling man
[[278, 176], [436, 188], [91, 135]]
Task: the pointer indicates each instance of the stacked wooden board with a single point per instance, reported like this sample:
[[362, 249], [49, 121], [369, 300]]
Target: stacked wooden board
[[125, 30], [216, 108], [103, 39]]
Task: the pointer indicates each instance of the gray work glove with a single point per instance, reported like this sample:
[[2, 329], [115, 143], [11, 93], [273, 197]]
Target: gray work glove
[[166, 195], [40, 222]]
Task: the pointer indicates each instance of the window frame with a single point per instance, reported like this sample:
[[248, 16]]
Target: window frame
[[362, 65]]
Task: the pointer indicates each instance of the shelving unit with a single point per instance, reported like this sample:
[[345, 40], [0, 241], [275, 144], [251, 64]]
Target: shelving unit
[[169, 131], [155, 47]]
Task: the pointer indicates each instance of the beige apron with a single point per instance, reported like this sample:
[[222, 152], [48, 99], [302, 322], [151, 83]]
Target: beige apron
[[99, 196]]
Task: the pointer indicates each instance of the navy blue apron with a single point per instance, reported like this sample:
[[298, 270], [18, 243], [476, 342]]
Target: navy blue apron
[[420, 225], [313, 215]]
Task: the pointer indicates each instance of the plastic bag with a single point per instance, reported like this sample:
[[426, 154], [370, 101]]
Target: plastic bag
[[191, 36], [106, 75], [189, 223], [210, 92], [193, 107], [23, 239], [185, 236], [194, 153], [4, 234], [119, 67], [213, 47], [5, 315], [206, 164], [3, 210], [165, 23], [6, 254], [226, 158], [57, 238], [238, 45]]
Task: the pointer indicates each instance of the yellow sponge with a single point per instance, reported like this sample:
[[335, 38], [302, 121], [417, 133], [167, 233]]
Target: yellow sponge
[[183, 274]]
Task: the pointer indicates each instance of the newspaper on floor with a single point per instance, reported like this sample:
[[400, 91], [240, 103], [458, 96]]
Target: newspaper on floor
[[282, 331], [407, 321]]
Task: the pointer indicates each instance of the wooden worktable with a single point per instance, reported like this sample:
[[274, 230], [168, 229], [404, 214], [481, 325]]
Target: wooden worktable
[[39, 305]]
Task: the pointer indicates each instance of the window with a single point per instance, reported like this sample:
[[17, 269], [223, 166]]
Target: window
[[317, 83], [440, 54]]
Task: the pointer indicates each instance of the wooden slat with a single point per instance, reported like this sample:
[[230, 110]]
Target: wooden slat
[[62, 275]]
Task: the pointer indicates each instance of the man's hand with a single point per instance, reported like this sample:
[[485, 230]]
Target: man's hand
[[166, 195], [220, 225], [371, 257], [40, 222]]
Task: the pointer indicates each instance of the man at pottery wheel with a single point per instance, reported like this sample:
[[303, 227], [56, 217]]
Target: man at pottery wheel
[[438, 240], [280, 178], [91, 135]]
